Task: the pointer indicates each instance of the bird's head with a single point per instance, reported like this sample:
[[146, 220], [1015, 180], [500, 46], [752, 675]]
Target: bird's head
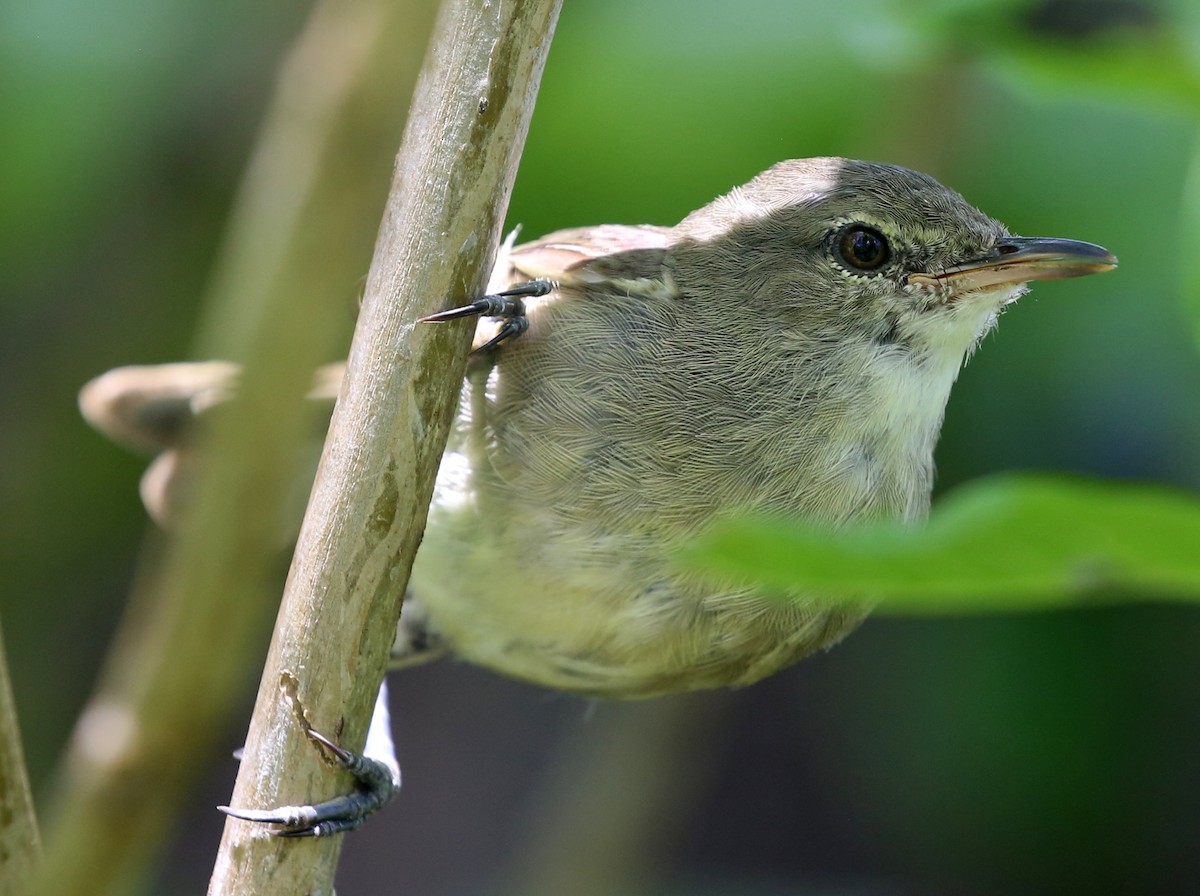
[[847, 252]]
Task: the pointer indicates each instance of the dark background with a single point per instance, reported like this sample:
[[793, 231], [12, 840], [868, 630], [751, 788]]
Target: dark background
[[1007, 754]]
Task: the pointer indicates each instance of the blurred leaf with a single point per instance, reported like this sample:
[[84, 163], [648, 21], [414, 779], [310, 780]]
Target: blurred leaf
[[1109, 49], [1129, 65], [1002, 543]]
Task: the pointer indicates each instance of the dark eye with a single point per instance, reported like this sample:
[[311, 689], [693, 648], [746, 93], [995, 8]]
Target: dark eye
[[863, 247]]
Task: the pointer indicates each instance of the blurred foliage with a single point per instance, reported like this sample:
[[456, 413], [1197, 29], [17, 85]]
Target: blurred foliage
[[1005, 542], [1031, 753]]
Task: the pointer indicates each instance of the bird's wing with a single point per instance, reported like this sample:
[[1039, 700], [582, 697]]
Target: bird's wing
[[629, 259], [152, 408], [568, 255]]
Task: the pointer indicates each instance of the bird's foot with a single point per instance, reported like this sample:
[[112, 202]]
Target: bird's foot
[[377, 779], [376, 787], [508, 305]]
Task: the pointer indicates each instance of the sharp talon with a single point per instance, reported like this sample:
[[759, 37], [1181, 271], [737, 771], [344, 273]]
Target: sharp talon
[[297, 818], [483, 306], [531, 288], [375, 787], [510, 329], [344, 757], [315, 831], [266, 816], [499, 305], [506, 304]]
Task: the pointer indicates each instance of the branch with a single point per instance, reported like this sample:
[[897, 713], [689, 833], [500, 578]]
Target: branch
[[20, 845], [437, 242]]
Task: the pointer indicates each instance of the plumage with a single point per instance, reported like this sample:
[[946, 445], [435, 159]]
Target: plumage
[[787, 348]]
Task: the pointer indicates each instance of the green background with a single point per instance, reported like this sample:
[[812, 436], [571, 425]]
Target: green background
[[1037, 753]]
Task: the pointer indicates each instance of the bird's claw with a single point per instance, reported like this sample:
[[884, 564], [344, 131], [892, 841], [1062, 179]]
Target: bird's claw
[[508, 304], [375, 787], [510, 329]]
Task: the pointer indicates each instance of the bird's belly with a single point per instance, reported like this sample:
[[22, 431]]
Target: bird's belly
[[602, 613]]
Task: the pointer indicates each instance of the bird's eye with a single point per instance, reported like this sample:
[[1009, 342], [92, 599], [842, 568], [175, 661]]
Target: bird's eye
[[863, 248]]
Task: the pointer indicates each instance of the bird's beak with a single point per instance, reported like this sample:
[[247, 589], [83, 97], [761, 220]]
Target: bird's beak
[[1019, 259]]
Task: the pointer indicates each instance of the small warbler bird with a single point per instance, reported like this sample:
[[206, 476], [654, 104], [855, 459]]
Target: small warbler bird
[[788, 348]]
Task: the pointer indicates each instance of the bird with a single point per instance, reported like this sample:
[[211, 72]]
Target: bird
[[787, 349]]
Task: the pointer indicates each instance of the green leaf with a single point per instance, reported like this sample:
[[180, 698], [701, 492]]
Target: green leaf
[[1136, 67], [1001, 543]]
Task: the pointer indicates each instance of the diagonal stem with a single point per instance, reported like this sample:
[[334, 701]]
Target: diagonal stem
[[437, 241]]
